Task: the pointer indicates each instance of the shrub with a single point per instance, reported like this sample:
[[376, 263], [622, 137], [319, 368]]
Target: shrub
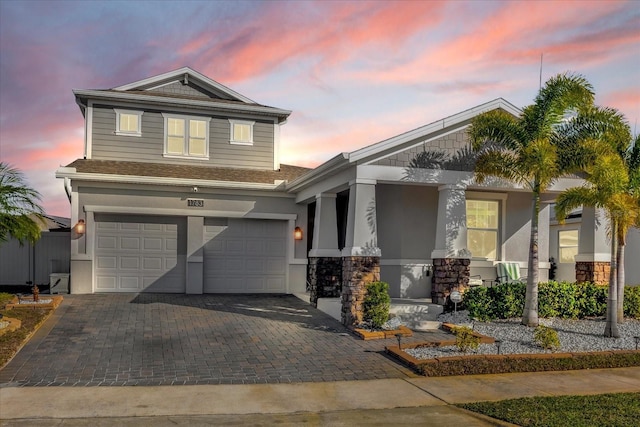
[[546, 338], [376, 304], [465, 339], [591, 299], [508, 299], [479, 303], [558, 299], [632, 301]]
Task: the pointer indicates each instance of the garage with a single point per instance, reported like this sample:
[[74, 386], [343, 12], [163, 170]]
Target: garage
[[245, 256], [139, 254]]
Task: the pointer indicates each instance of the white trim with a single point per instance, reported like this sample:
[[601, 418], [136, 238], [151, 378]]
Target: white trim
[[132, 210], [422, 131], [208, 104], [594, 257], [406, 261], [185, 148], [360, 251], [362, 181], [325, 253], [276, 145], [88, 131], [232, 134], [299, 261], [120, 111], [181, 182], [501, 198]]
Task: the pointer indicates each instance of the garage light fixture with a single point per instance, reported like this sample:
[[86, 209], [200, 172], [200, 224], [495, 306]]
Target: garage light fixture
[[297, 233], [79, 227]]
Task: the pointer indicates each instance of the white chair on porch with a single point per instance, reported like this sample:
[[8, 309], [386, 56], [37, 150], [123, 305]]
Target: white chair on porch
[[508, 272]]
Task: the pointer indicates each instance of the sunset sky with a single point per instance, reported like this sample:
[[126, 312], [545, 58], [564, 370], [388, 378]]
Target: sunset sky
[[354, 73]]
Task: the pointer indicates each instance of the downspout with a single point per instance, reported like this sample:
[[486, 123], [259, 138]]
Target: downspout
[[67, 188]]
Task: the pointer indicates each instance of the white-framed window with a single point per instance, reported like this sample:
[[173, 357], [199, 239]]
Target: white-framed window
[[241, 132], [483, 228], [128, 122], [567, 246], [186, 136]]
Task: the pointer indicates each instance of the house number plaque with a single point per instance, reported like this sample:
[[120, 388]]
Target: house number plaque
[[195, 203]]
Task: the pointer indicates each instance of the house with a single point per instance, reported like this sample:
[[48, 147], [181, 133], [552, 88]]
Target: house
[[181, 190]]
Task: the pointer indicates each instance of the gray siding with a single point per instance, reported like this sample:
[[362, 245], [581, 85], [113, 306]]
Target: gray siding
[[106, 145], [449, 143], [178, 88]]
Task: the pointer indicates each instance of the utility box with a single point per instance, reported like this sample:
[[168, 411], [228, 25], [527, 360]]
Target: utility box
[[59, 283]]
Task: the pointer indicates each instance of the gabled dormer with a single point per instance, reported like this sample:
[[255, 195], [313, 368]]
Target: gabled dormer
[[180, 117]]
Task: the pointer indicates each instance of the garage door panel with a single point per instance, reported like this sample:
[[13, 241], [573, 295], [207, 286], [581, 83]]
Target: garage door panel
[[138, 254], [245, 255], [129, 263], [129, 243], [106, 242]]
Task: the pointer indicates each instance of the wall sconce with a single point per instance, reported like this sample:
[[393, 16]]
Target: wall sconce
[[79, 227], [297, 233]]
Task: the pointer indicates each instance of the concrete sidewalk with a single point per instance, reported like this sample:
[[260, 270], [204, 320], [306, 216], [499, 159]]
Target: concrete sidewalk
[[367, 402]]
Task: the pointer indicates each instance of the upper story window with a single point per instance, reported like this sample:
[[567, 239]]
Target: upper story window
[[567, 246], [186, 136], [128, 122], [483, 228], [241, 132]]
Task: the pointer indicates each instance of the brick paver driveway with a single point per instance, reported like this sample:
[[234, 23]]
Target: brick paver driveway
[[156, 339]]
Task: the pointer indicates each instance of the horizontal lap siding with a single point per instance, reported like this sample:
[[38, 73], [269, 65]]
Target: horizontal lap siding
[[149, 147]]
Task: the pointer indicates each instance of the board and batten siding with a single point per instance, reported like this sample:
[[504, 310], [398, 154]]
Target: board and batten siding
[[149, 147]]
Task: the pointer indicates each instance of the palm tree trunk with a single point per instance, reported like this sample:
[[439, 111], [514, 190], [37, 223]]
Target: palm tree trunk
[[530, 313], [611, 327], [621, 281]]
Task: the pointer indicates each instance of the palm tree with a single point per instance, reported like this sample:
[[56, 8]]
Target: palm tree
[[521, 150], [20, 211], [597, 143]]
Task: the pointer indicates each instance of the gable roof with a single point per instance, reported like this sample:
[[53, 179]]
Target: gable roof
[[220, 98], [374, 152], [185, 74], [457, 120]]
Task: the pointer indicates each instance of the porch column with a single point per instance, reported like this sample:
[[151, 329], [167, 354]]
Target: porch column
[[451, 258], [361, 255], [594, 249], [325, 262]]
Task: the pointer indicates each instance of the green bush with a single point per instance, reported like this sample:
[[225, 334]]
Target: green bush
[[509, 299], [465, 339], [546, 338], [376, 304], [479, 303], [632, 301], [555, 299], [591, 299]]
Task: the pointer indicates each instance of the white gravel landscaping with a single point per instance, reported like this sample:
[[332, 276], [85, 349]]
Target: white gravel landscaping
[[575, 336]]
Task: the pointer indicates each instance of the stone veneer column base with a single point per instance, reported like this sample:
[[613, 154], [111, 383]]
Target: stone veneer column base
[[357, 273], [449, 274], [593, 271], [325, 278]]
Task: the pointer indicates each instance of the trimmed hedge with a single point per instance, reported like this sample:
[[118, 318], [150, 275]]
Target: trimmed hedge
[[555, 299]]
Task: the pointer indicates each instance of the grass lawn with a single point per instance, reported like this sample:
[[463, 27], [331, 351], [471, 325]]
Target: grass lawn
[[11, 342], [613, 410]]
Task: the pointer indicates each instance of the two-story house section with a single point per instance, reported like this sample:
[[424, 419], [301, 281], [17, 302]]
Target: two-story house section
[[181, 190]]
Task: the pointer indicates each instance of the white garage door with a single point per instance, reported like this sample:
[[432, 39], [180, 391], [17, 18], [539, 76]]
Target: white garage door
[[245, 256], [138, 254]]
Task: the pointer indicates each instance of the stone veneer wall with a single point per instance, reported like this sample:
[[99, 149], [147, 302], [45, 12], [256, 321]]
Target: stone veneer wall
[[449, 274], [357, 273], [325, 278], [593, 271]]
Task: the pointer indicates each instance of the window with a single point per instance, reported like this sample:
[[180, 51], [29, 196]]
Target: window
[[567, 246], [482, 228], [241, 132], [128, 122], [186, 136]]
